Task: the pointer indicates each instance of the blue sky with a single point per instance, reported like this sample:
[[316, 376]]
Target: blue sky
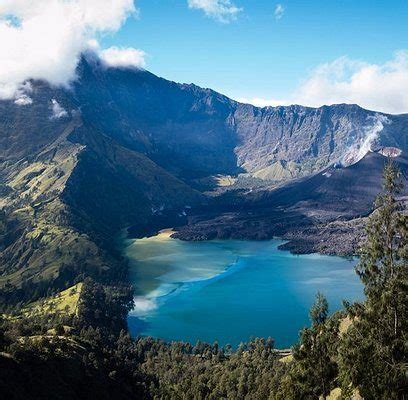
[[311, 52], [257, 55]]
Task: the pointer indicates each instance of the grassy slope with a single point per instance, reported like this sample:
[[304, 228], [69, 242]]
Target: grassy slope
[[43, 239], [65, 302], [69, 201]]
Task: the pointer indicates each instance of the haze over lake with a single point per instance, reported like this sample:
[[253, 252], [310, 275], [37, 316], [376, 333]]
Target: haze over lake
[[229, 290]]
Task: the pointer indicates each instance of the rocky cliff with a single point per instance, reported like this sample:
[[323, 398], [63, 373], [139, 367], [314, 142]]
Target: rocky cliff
[[123, 147]]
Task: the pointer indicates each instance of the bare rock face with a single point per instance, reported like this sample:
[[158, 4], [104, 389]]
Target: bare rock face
[[392, 152], [124, 147], [310, 139], [194, 132]]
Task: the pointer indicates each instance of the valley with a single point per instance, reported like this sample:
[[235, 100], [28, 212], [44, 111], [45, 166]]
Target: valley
[[262, 202], [135, 150], [203, 200]]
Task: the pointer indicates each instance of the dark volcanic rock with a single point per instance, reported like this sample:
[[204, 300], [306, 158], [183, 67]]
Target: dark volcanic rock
[[131, 150], [322, 213]]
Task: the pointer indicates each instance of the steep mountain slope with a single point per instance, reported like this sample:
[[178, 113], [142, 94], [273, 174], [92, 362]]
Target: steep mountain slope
[[320, 213], [183, 128], [196, 132], [309, 138], [347, 190], [67, 195], [122, 147]]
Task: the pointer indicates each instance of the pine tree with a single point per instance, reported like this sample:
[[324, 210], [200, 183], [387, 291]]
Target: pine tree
[[314, 368], [373, 353]]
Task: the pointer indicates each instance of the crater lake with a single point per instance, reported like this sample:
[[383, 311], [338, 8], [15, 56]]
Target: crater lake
[[230, 290]]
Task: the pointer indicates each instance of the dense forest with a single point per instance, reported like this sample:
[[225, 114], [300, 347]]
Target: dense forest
[[88, 353]]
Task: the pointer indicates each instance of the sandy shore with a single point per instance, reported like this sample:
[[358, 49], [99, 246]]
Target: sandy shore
[[163, 234]]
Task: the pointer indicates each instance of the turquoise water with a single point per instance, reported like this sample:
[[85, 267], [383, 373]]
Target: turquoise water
[[229, 291]]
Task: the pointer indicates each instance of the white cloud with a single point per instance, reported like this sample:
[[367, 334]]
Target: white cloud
[[23, 100], [279, 11], [262, 102], [21, 96], [379, 87], [57, 110], [43, 39], [123, 57], [222, 10]]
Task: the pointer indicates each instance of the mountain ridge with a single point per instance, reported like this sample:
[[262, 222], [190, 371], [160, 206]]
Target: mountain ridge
[[125, 148]]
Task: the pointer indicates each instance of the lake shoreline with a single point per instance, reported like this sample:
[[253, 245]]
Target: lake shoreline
[[288, 244], [199, 295], [302, 235]]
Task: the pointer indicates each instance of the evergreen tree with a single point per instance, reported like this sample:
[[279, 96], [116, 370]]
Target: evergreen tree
[[314, 368], [373, 352]]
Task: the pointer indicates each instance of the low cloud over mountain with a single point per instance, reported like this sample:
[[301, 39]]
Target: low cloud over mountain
[[44, 39], [379, 87]]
